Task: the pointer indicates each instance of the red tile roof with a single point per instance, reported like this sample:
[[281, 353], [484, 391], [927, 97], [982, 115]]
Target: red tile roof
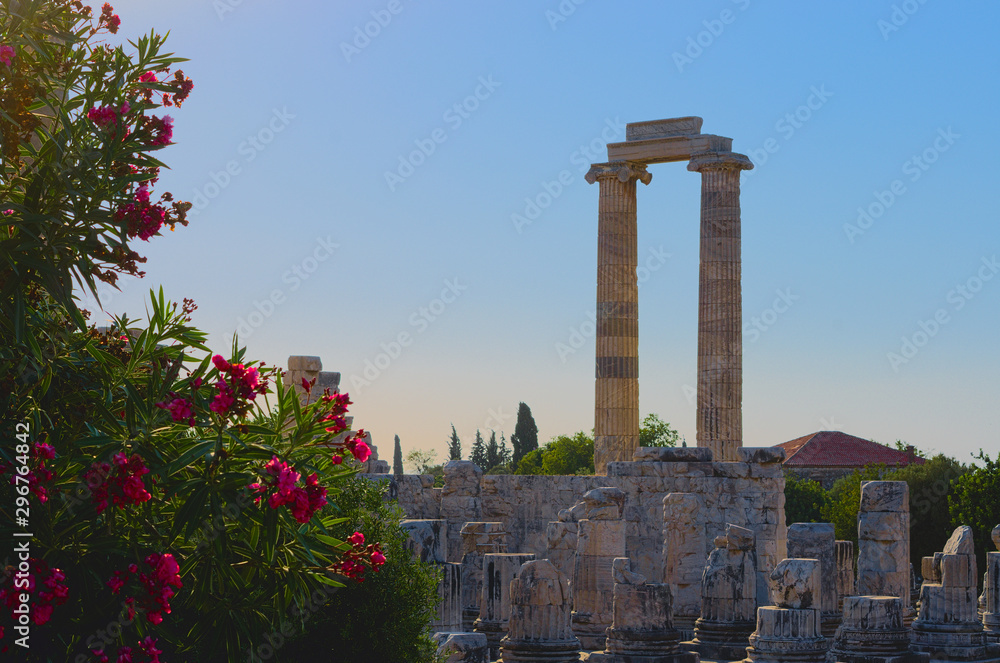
[[836, 449]]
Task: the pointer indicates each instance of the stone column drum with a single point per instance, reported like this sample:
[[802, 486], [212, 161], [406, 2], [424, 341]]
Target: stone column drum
[[494, 610], [790, 629], [600, 540], [817, 541], [872, 631], [728, 597], [616, 421], [539, 626], [720, 305], [991, 591], [642, 630], [884, 542]]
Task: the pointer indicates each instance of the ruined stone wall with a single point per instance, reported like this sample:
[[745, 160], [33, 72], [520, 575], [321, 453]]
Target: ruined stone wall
[[749, 493]]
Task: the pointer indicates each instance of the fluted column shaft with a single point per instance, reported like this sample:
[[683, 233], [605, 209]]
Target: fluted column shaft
[[720, 305], [616, 402]]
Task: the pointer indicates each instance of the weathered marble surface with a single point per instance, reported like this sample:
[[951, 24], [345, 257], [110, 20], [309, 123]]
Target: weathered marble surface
[[817, 541], [600, 539], [462, 647], [478, 539], [845, 572], [884, 542], [790, 630], [872, 631], [499, 569], [539, 627]]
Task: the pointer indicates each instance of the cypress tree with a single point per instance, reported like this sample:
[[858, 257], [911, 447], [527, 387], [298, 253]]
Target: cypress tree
[[454, 446], [397, 459], [525, 437]]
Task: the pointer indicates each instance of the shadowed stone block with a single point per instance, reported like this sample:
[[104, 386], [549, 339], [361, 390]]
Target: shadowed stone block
[[462, 647], [449, 611], [561, 541], [872, 631], [539, 625], [818, 541], [678, 126], [991, 591], [761, 455], [460, 501], [427, 539], [478, 539], [494, 609], [845, 571], [672, 455]]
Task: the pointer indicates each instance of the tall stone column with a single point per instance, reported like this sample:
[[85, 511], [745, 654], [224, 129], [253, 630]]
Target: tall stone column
[[884, 542], [600, 539], [720, 305], [616, 401]]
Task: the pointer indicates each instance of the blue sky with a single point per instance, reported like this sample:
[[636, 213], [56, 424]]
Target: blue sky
[[426, 179]]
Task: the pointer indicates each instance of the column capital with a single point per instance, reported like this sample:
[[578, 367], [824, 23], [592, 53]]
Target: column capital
[[623, 170], [719, 161]]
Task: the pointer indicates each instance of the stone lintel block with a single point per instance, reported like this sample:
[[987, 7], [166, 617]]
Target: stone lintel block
[[667, 148], [677, 126], [305, 363], [731, 470], [620, 468], [672, 455], [885, 496], [761, 455]]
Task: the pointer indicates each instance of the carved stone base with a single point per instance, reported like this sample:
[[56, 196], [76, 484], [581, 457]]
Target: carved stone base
[[954, 643], [525, 651], [721, 641], [592, 634], [787, 635], [873, 632], [612, 657]]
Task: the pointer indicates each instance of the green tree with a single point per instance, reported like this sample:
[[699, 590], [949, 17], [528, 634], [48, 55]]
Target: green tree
[[385, 618], [421, 460], [397, 458], [975, 501], [531, 463], [930, 486], [503, 453], [654, 432], [492, 452], [805, 500], [454, 445], [478, 455], [525, 437], [569, 455]]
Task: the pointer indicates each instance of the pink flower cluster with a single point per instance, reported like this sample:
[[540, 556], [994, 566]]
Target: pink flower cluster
[[106, 116], [336, 405], [108, 19], [52, 586], [358, 447], [6, 54], [128, 654], [180, 409], [141, 219], [38, 474], [162, 129], [237, 385], [282, 479], [122, 482], [359, 558], [159, 582]]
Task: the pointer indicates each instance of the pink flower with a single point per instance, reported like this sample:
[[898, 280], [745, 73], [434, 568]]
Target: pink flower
[[356, 539], [6, 54], [221, 364], [306, 385], [180, 409], [378, 559], [337, 460]]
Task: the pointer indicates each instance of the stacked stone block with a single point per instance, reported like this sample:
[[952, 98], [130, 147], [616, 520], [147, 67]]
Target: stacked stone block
[[947, 626], [478, 539], [817, 541], [844, 551], [884, 542], [460, 501], [642, 630], [600, 540]]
